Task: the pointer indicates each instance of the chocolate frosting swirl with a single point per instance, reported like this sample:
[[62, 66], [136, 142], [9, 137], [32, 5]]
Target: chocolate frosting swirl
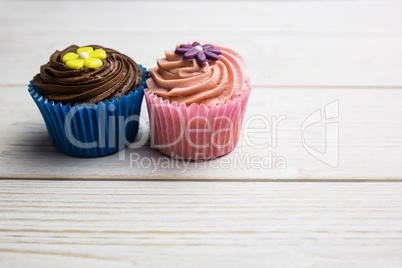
[[118, 75]]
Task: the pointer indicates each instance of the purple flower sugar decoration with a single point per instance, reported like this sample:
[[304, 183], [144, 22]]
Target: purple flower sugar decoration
[[198, 52]]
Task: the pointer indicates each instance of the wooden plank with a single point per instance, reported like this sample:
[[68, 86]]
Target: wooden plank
[[284, 43], [370, 142], [215, 224], [234, 16]]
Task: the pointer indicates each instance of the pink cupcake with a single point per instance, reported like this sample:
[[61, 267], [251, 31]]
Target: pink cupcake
[[196, 99]]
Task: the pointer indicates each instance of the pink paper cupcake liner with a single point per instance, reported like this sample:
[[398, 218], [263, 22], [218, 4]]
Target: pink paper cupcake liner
[[195, 132]]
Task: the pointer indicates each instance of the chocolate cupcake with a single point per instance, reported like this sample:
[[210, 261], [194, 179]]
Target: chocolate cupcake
[[196, 100], [90, 98]]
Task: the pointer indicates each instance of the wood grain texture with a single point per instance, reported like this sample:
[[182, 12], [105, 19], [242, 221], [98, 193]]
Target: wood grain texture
[[285, 43], [200, 224]]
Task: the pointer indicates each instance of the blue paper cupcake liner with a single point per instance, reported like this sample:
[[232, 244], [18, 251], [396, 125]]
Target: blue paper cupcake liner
[[92, 130]]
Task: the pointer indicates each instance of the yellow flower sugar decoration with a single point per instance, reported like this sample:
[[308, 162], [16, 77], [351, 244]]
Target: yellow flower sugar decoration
[[85, 56]]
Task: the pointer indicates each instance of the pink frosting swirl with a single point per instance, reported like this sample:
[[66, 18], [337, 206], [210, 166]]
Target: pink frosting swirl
[[188, 82]]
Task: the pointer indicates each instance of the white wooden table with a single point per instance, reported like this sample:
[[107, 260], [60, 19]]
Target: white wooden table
[[62, 211]]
